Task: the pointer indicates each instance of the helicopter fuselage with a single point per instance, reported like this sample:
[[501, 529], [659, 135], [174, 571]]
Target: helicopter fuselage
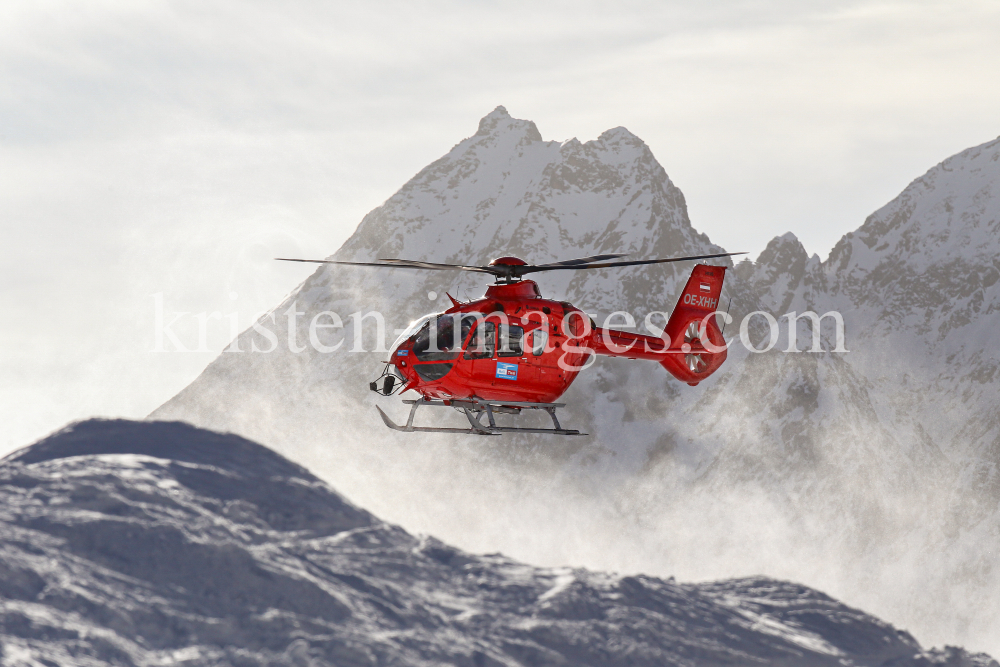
[[514, 345]]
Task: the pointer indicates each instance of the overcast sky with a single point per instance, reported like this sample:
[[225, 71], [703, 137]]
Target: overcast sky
[[175, 147]]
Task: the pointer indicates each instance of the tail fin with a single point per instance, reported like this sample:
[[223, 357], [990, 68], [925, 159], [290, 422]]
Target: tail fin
[[692, 322]]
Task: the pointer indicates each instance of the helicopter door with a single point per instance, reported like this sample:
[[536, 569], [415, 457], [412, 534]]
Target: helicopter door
[[514, 368], [544, 355], [479, 354], [537, 346]]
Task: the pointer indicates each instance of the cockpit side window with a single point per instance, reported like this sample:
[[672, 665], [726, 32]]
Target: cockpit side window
[[467, 324], [511, 338], [482, 345]]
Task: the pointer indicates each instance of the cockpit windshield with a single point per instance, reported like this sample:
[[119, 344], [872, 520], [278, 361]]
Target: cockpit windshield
[[437, 341], [412, 329]]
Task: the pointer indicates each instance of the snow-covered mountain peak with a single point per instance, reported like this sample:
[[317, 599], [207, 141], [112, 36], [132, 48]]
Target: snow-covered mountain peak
[[490, 121], [950, 213], [784, 275], [784, 251], [620, 136], [499, 122], [506, 191]]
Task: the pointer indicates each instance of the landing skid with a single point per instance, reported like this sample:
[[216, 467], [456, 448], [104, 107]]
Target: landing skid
[[474, 410]]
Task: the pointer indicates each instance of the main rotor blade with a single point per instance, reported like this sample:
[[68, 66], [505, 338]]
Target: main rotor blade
[[584, 260], [512, 271], [417, 264], [605, 265], [393, 264]]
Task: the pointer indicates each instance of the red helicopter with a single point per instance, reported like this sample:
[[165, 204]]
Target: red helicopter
[[513, 350]]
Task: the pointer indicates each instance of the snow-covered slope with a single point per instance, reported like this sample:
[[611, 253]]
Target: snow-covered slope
[[917, 286], [132, 543], [871, 474], [920, 277]]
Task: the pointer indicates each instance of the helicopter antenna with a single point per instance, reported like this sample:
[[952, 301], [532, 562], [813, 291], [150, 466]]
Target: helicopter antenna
[[726, 318]]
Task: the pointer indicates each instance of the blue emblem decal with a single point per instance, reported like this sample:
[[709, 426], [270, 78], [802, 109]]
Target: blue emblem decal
[[402, 353], [506, 371]]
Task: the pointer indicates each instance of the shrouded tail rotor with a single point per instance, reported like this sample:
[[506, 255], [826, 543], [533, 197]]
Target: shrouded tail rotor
[[692, 327], [694, 361]]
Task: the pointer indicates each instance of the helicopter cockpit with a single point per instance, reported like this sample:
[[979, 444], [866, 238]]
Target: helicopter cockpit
[[434, 339]]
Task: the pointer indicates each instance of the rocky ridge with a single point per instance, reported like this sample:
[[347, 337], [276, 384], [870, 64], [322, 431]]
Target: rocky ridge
[[131, 543]]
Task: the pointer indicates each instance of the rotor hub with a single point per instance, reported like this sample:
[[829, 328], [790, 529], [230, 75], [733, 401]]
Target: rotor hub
[[511, 275], [508, 261]]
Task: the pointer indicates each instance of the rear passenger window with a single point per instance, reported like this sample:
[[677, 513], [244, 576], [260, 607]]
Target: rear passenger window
[[510, 341], [539, 337]]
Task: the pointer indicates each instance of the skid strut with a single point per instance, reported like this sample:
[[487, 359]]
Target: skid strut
[[474, 410]]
